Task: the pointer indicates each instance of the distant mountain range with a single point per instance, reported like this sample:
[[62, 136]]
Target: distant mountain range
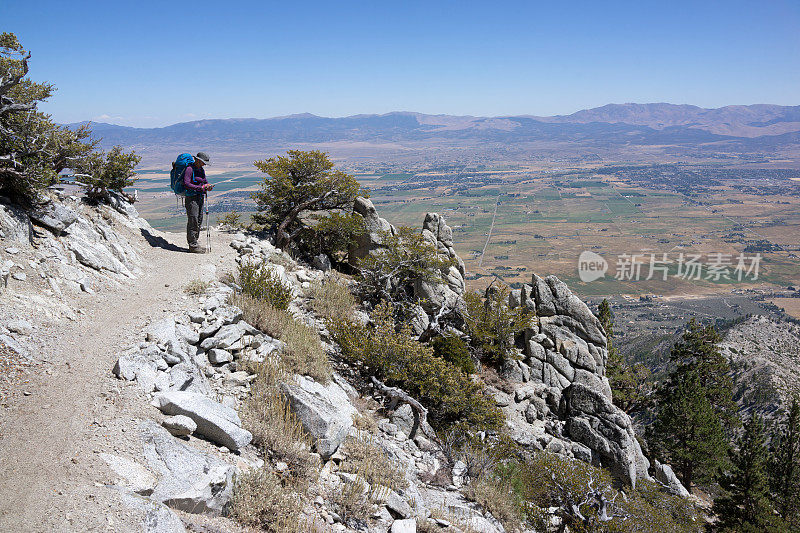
[[743, 128]]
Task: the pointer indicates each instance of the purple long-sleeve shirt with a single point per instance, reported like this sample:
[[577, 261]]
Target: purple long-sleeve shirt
[[194, 178]]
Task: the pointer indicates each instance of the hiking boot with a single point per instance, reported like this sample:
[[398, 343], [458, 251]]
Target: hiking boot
[[197, 250]]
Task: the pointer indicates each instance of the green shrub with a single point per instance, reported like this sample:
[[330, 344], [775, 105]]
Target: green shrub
[[262, 283], [454, 350], [231, 219], [399, 359], [492, 324], [572, 490], [112, 170], [333, 234], [303, 353]]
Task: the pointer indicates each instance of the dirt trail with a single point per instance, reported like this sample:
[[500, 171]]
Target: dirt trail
[[51, 475]]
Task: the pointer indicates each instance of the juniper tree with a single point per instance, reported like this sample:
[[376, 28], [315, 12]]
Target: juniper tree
[[389, 272], [33, 148], [784, 467], [744, 504], [298, 181], [492, 323], [630, 384]]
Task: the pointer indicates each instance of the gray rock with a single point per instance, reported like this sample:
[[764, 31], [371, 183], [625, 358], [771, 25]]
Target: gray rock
[[374, 225], [188, 479], [19, 276], [324, 411], [54, 216], [186, 376], [403, 418], [136, 478], [481, 524], [162, 332], [592, 420], [418, 320], [158, 518], [228, 314], [179, 425], [214, 421], [226, 337], [210, 329], [135, 367], [187, 334], [321, 262], [404, 526], [161, 519], [15, 224], [218, 356], [398, 506], [664, 474], [96, 257], [20, 326], [13, 250]]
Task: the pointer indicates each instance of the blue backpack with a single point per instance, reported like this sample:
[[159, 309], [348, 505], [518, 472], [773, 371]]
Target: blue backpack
[[176, 175]]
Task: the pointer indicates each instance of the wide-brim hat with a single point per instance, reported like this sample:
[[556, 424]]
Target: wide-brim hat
[[202, 156]]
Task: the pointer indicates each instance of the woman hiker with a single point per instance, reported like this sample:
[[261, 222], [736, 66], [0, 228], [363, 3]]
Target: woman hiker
[[194, 179]]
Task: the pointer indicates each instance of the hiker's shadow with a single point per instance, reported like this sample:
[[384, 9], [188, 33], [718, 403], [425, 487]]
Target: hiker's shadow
[[160, 242]]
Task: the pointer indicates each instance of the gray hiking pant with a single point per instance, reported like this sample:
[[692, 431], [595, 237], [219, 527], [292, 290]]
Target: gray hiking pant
[[194, 213]]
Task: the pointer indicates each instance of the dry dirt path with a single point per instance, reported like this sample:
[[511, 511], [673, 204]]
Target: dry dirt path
[[51, 475]]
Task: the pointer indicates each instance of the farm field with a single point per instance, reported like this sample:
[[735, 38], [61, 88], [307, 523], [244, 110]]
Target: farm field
[[542, 221], [542, 224]]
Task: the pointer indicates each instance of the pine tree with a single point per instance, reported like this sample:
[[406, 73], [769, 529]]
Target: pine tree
[[630, 384], [688, 433], [745, 504], [695, 407], [698, 352], [785, 467]]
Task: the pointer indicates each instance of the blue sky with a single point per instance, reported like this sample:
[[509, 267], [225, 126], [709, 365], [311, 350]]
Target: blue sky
[[156, 63]]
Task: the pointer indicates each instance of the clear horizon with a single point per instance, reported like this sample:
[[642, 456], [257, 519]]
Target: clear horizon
[[148, 64]]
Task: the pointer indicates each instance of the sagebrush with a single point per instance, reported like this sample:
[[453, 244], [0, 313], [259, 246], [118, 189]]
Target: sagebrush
[[401, 360], [262, 282]]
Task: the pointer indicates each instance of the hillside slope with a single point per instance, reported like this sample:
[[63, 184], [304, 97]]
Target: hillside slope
[[747, 127]]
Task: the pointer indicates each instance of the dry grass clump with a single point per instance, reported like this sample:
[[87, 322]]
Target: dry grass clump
[[196, 287], [351, 500], [263, 499], [367, 459], [303, 353], [276, 430], [331, 298], [364, 422], [497, 496]]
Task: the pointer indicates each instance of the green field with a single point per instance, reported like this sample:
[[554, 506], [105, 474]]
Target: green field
[[544, 223]]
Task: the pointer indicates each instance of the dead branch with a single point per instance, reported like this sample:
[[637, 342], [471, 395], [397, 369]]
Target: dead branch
[[420, 413]]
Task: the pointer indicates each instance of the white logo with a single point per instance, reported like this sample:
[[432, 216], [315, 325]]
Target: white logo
[[591, 266]]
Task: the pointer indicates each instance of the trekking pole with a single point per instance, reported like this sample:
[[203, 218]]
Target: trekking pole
[[208, 226]]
